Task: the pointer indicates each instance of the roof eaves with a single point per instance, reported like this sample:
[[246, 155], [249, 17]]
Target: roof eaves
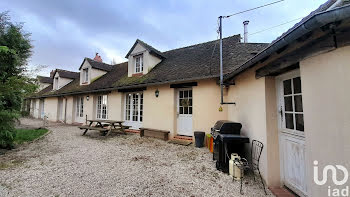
[[315, 21]]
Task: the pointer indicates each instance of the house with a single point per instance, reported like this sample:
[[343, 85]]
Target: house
[[175, 90], [293, 96]]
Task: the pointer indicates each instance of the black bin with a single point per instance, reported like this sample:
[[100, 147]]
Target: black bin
[[199, 138]]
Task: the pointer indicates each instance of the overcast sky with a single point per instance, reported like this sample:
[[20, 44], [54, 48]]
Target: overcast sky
[[66, 31]]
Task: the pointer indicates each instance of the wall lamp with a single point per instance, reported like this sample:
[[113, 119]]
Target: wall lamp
[[156, 92], [87, 97]]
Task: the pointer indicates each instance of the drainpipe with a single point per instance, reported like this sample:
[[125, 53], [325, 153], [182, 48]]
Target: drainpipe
[[221, 67]]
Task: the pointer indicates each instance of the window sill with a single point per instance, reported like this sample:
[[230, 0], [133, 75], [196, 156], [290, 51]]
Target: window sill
[[85, 83], [137, 74]]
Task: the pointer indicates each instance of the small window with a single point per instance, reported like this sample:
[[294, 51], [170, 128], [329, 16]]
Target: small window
[[86, 75], [138, 64]]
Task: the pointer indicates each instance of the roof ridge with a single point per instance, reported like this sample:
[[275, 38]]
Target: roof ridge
[[98, 61], [203, 43], [65, 70]]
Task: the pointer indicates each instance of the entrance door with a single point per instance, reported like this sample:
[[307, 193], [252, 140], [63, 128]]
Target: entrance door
[[134, 109], [291, 132], [79, 109], [60, 109], [184, 113]]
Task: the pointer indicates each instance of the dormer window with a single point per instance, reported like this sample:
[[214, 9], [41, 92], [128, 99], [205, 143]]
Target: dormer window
[[86, 75], [138, 64], [56, 83]]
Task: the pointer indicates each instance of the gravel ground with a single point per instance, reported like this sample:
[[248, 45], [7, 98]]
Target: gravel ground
[[64, 163]]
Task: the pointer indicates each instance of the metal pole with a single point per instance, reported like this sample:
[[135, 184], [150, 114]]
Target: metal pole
[[221, 67]]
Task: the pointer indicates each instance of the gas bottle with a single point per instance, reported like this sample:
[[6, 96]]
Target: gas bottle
[[232, 164]]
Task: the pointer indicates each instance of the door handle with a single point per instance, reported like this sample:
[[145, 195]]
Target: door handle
[[281, 113]]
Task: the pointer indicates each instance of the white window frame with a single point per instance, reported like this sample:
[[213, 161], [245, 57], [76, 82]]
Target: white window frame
[[138, 63], [282, 119], [129, 114], [85, 75], [80, 107], [102, 107]]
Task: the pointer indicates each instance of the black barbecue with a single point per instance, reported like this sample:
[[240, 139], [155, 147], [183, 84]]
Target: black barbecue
[[227, 139]]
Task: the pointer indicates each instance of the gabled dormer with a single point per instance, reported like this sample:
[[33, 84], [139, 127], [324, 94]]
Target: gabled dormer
[[44, 82], [142, 58], [92, 69], [62, 78]]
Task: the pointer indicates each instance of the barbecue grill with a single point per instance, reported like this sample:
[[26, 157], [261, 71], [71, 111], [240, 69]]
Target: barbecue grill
[[227, 139]]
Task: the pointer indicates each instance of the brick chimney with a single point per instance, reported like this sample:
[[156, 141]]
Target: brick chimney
[[51, 73], [97, 58]]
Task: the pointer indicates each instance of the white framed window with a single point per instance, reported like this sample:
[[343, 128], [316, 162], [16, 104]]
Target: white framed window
[[138, 64], [102, 107], [56, 83], [80, 107], [85, 75], [134, 107]]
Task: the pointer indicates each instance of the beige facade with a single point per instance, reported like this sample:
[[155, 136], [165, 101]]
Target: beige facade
[[51, 108], [255, 109], [326, 96]]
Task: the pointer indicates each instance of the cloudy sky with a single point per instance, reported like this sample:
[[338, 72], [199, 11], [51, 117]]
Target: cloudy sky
[[66, 31]]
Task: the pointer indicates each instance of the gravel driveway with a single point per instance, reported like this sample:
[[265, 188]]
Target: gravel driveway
[[64, 163]]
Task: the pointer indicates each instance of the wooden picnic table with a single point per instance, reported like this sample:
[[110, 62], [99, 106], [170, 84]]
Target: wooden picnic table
[[104, 126]]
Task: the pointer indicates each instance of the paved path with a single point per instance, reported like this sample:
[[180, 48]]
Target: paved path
[[65, 163]]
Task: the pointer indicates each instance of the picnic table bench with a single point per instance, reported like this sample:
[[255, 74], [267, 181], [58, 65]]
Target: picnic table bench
[[104, 126]]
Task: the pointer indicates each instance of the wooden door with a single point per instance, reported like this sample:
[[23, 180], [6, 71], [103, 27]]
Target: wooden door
[[291, 132]]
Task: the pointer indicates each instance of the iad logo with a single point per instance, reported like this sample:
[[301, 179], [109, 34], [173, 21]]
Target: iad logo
[[333, 170]]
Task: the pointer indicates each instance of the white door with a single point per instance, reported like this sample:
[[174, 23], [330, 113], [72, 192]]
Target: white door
[[291, 132], [79, 109], [184, 112], [133, 112], [60, 110]]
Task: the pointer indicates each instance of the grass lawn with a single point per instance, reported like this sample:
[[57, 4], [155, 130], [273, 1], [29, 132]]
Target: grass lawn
[[27, 135]]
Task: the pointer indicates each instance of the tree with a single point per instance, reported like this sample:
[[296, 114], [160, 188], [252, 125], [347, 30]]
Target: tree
[[15, 49]]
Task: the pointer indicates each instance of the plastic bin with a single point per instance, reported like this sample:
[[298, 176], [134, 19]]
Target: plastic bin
[[199, 138]]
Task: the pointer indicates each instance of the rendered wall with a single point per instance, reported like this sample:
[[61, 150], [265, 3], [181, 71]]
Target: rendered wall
[[255, 109], [206, 104], [160, 113], [325, 86], [114, 105], [51, 108]]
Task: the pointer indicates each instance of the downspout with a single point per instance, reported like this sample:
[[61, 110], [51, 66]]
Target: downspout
[[221, 67]]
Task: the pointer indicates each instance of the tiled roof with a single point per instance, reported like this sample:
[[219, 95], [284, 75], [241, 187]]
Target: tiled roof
[[67, 74], [151, 49], [98, 65], [43, 79], [200, 61]]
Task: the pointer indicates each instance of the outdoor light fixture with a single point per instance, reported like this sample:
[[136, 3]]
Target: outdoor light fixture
[[156, 92], [87, 98]]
